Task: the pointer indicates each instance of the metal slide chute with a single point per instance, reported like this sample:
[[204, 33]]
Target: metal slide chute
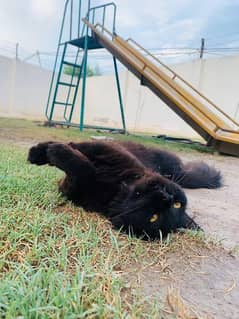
[[212, 123]]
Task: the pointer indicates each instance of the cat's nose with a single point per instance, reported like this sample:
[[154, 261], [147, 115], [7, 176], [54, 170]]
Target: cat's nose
[[167, 197], [164, 196]]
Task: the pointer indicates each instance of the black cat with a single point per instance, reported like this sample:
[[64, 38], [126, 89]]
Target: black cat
[[125, 182]]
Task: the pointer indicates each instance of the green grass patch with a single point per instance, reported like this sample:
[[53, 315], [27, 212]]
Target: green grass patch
[[57, 261], [24, 130]]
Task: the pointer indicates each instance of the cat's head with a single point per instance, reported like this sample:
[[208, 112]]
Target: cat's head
[[151, 208]]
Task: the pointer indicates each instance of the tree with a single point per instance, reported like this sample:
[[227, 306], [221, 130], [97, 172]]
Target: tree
[[70, 70]]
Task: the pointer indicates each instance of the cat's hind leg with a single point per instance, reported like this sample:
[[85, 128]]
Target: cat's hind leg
[[70, 160], [64, 157]]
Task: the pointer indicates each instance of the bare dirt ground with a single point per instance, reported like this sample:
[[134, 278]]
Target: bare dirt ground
[[206, 281], [208, 277], [217, 211]]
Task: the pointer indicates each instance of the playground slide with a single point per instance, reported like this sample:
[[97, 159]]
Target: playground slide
[[214, 125]]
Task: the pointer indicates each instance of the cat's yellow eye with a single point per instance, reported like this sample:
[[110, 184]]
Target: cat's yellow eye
[[177, 205], [154, 218]]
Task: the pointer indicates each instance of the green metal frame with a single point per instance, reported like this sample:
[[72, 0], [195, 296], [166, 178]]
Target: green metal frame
[[119, 93], [56, 59], [84, 86], [82, 33]]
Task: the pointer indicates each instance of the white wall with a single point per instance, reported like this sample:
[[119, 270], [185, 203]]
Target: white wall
[[24, 90]]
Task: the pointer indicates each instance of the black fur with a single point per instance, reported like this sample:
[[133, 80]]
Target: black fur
[[124, 182], [189, 175]]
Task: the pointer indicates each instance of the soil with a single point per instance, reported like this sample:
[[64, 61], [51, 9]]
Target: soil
[[208, 284], [217, 211]]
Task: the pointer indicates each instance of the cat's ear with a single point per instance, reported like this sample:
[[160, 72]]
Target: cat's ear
[[188, 223]]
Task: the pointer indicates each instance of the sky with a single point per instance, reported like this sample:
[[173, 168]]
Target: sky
[[171, 29]]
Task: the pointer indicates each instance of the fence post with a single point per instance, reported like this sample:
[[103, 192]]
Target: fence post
[[17, 51], [202, 48]]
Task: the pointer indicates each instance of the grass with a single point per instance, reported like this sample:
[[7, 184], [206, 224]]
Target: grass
[[28, 130], [54, 263], [57, 261]]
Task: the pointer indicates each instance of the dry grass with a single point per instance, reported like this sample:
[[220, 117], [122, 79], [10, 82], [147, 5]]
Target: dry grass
[[57, 261], [179, 307], [26, 132]]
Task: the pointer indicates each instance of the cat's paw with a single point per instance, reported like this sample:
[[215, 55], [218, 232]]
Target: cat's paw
[[58, 152], [38, 154]]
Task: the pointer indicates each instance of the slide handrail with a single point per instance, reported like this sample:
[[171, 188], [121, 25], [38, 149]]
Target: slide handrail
[[104, 7]]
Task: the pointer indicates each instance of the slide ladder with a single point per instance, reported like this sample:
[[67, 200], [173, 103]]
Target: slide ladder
[[71, 65]]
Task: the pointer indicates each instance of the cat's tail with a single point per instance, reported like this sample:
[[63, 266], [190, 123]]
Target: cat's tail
[[199, 175]]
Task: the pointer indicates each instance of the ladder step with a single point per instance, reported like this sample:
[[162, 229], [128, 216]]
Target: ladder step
[[62, 103], [72, 64], [67, 84]]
